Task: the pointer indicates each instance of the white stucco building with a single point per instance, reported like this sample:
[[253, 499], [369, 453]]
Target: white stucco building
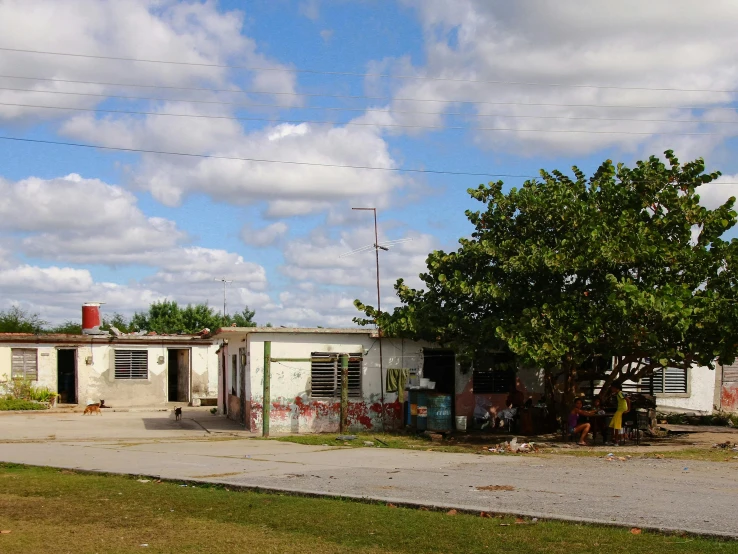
[[125, 371]]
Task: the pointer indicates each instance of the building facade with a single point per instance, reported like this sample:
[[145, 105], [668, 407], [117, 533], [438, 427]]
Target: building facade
[[125, 371]]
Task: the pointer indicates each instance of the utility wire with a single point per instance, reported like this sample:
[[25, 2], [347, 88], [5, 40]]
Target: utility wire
[[356, 74], [361, 97], [287, 162], [358, 123], [362, 110]]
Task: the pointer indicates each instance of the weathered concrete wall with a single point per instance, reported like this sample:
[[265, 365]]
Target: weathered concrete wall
[[292, 408], [204, 374], [46, 359], [97, 380], [529, 381], [700, 393]]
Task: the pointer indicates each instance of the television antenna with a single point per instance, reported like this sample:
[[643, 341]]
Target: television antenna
[[225, 284], [377, 246]]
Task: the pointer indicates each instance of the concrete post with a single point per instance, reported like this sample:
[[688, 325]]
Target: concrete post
[[344, 393], [266, 401]]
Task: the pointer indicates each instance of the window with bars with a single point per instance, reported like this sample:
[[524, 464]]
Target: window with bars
[[24, 363], [131, 364], [325, 375], [671, 380], [493, 381]]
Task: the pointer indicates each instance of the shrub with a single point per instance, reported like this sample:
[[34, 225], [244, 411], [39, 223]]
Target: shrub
[[7, 404]]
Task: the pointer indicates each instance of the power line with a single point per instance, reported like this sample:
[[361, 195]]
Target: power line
[[363, 124], [355, 74], [362, 110], [287, 162], [361, 97]]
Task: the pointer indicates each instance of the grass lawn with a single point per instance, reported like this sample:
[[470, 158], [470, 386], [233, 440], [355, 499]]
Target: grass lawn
[[699, 454], [60, 511], [413, 442]]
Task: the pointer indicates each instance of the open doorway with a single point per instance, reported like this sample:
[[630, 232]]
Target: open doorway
[[440, 366], [66, 375], [178, 374]]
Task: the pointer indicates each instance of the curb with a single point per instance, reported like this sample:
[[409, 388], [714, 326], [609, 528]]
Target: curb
[[470, 510]]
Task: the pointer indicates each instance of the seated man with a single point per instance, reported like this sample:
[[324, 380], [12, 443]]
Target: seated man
[[484, 414]]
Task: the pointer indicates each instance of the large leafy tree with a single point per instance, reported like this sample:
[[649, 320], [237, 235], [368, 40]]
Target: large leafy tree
[[168, 317], [570, 272]]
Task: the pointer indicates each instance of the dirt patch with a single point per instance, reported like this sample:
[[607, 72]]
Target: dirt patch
[[496, 488], [215, 475]]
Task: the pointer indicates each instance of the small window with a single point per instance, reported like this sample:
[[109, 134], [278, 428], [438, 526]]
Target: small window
[[670, 381], [131, 364], [24, 364], [325, 375], [493, 381]]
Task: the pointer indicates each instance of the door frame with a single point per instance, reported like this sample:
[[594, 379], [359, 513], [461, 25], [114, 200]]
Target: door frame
[[76, 373], [189, 373]]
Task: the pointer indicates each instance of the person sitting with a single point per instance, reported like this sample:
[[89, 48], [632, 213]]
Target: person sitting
[[579, 428], [484, 415]]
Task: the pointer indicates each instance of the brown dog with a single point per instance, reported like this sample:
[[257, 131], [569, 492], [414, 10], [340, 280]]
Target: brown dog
[[92, 409]]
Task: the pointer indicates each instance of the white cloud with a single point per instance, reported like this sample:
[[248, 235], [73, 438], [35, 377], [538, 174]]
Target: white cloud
[[188, 31], [310, 9], [288, 188], [82, 220], [629, 44], [715, 194], [266, 236]]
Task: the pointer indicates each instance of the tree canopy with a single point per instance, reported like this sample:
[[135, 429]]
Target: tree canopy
[[162, 317], [566, 272]]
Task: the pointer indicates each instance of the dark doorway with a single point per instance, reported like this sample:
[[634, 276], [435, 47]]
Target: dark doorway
[[440, 366], [178, 374], [66, 375]]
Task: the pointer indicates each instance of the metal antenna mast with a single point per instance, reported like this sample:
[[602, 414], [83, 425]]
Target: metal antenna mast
[[225, 284], [377, 247]]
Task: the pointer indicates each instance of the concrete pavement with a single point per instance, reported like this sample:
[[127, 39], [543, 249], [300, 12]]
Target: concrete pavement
[[698, 497]]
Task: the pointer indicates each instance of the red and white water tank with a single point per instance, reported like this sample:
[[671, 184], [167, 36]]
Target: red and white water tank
[[91, 318]]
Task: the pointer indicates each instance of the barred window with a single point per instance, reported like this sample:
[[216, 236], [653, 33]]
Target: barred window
[[673, 380], [24, 364], [493, 381], [131, 364], [325, 375]]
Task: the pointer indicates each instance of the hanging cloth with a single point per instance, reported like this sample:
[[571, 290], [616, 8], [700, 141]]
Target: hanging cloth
[[397, 381]]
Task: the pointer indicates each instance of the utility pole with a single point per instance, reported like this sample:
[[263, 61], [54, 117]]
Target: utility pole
[[225, 284], [377, 247]]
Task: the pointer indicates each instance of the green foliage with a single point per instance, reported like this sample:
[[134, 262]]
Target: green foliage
[[118, 321], [67, 328], [168, 317], [18, 320], [10, 404], [568, 271], [244, 318]]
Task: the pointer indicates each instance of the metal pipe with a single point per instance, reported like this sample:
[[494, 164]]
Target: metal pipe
[[344, 393], [266, 400]]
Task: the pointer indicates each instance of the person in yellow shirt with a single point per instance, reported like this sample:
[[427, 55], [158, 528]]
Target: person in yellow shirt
[[616, 423]]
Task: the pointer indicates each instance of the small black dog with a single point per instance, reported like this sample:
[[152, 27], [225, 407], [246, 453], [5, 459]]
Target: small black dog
[[177, 413]]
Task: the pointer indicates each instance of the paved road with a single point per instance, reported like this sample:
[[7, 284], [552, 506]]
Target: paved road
[[644, 493]]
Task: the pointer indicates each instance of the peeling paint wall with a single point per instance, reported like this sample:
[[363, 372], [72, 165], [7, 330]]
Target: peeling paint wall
[[530, 383], [96, 381], [292, 409]]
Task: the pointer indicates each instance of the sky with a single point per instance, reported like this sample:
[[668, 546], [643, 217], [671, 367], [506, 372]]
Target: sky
[[285, 114]]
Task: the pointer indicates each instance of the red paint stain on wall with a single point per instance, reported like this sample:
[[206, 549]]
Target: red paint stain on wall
[[729, 397]]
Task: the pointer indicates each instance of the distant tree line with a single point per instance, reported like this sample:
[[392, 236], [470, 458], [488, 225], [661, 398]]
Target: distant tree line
[[165, 317]]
